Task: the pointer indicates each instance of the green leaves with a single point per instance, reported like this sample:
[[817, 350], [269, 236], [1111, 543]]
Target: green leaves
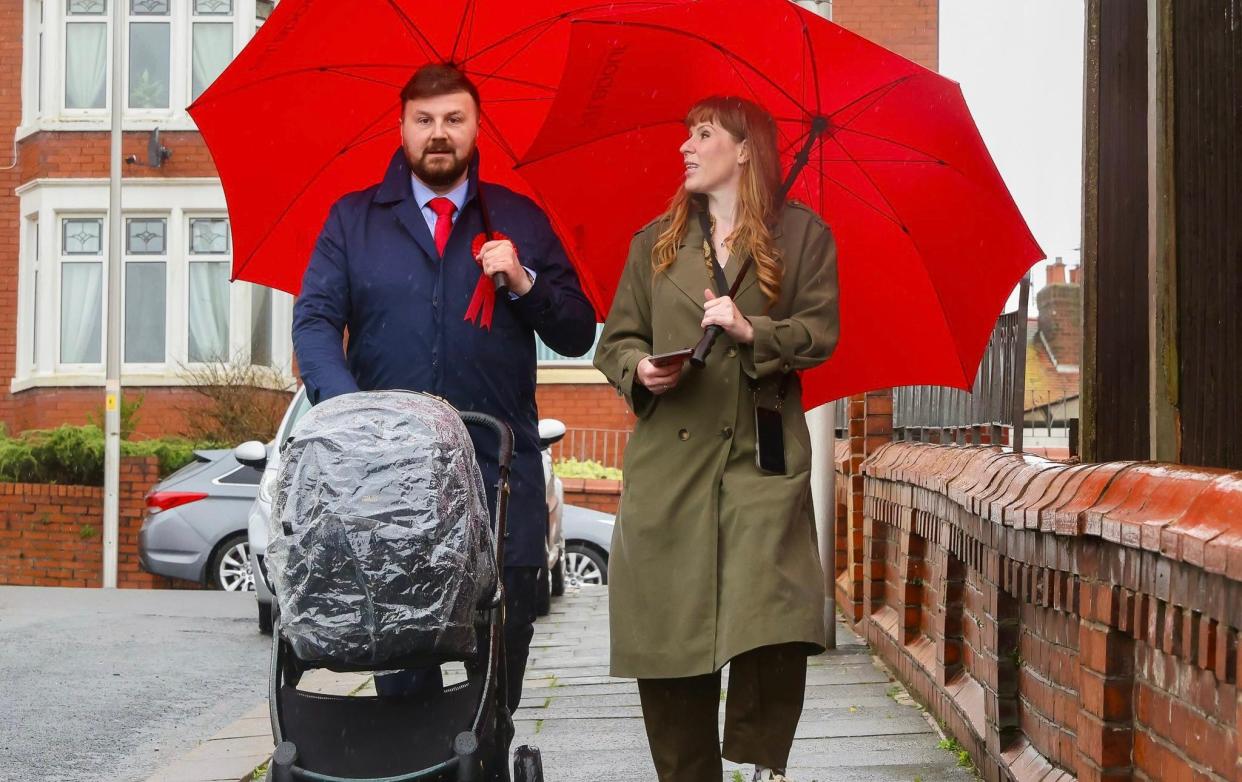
[[74, 455]]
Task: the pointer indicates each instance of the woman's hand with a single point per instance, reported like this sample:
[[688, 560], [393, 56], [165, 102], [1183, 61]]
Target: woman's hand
[[658, 380], [724, 313]]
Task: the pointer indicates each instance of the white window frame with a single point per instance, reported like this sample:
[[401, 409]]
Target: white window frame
[[61, 259], [238, 310], [167, 258], [47, 200], [54, 116]]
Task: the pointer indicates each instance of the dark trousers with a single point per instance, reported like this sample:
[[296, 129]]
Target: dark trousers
[[521, 588], [766, 689]]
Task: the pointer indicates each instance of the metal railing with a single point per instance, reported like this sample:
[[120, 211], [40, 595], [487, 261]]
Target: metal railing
[[994, 404], [546, 356], [605, 446]]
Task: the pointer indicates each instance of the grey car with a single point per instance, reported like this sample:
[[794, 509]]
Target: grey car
[[194, 527], [588, 543]]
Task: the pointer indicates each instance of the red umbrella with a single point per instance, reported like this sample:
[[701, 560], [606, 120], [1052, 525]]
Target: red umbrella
[[930, 243], [309, 110]]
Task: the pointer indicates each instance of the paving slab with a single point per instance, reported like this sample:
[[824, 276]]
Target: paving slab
[[858, 724]]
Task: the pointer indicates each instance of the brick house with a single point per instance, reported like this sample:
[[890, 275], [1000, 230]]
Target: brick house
[[1053, 360], [179, 308]]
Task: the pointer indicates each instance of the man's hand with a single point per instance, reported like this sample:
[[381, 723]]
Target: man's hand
[[724, 313], [658, 380], [500, 256]]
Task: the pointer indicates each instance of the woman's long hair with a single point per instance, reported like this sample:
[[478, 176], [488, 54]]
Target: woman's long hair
[[757, 207]]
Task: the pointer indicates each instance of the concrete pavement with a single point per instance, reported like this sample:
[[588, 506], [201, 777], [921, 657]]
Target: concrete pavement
[[111, 684], [858, 725]]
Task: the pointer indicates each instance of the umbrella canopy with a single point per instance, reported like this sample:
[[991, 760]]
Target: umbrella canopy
[[930, 243], [310, 109]]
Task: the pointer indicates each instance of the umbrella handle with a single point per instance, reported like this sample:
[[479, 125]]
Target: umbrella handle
[[698, 359], [502, 285]]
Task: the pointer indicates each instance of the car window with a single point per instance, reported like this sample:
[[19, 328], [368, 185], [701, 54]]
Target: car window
[[301, 403], [242, 476]]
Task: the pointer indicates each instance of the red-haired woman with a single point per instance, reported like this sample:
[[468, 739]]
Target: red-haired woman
[[714, 558]]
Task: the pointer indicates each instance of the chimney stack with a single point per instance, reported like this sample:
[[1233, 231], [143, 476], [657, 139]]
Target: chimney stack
[[1056, 272], [1075, 275]]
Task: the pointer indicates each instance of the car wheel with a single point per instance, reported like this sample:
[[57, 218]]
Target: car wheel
[[265, 618], [230, 566], [558, 577], [543, 594], [585, 565]]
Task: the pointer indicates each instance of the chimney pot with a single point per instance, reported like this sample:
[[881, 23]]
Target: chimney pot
[[1056, 273]]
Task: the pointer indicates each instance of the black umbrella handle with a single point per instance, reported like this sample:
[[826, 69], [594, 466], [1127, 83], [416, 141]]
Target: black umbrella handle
[[498, 279], [698, 359]]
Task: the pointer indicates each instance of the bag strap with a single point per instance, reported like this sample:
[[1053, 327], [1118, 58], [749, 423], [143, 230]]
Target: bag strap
[[723, 288]]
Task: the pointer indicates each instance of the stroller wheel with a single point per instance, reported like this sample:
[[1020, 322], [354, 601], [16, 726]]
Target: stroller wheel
[[527, 764], [281, 767]]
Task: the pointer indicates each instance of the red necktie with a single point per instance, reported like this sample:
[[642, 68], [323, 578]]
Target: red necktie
[[444, 209]]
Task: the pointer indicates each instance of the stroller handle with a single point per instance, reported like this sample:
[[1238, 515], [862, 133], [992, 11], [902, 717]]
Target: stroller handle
[[502, 430]]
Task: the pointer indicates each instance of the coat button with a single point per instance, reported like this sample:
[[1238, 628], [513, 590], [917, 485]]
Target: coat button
[[727, 432], [731, 352], [682, 434]]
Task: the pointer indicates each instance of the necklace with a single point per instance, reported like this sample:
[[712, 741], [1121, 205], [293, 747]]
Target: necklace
[[707, 247]]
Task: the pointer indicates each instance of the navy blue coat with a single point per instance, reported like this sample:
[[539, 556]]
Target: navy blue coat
[[375, 270]]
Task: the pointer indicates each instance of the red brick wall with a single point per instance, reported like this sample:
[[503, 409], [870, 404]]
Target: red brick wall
[[11, 26], [909, 27], [595, 494], [1065, 622], [584, 406], [53, 535], [162, 413], [88, 154]]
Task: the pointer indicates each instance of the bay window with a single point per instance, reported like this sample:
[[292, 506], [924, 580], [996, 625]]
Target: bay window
[[174, 50], [178, 308]]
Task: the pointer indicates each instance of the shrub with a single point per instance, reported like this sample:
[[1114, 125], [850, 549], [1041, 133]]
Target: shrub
[[234, 401], [572, 468], [74, 455]]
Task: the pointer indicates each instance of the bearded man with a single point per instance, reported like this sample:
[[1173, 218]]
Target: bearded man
[[407, 267]]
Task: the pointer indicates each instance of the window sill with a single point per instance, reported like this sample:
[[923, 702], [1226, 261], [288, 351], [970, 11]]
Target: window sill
[[128, 380], [568, 374], [103, 122]]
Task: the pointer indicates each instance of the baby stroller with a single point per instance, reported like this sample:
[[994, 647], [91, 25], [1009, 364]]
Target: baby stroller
[[383, 557]]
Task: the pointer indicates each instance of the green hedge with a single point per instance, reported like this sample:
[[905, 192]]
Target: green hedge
[[572, 468], [74, 455]]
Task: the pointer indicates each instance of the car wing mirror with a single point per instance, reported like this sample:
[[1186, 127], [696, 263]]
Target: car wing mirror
[[551, 431], [252, 454]]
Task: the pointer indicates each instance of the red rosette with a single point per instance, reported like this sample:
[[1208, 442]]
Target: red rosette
[[483, 302]]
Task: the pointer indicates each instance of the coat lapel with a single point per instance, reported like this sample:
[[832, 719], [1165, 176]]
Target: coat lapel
[[397, 191], [752, 278], [689, 272]]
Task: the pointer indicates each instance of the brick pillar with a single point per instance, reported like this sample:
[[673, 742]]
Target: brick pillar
[[1000, 632], [870, 426], [1105, 719], [950, 573], [914, 582]]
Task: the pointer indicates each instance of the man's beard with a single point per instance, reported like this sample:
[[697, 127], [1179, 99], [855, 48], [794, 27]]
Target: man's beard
[[441, 175]]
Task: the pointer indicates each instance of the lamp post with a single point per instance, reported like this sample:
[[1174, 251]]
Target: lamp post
[[822, 425], [112, 314]]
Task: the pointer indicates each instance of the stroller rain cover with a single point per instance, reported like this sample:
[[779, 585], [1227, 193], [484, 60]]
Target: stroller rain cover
[[381, 542]]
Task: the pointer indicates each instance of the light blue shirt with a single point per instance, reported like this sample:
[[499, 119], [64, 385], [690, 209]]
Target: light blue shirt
[[424, 194]]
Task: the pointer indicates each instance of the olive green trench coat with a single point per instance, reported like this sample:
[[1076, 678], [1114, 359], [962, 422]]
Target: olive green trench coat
[[711, 557]]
